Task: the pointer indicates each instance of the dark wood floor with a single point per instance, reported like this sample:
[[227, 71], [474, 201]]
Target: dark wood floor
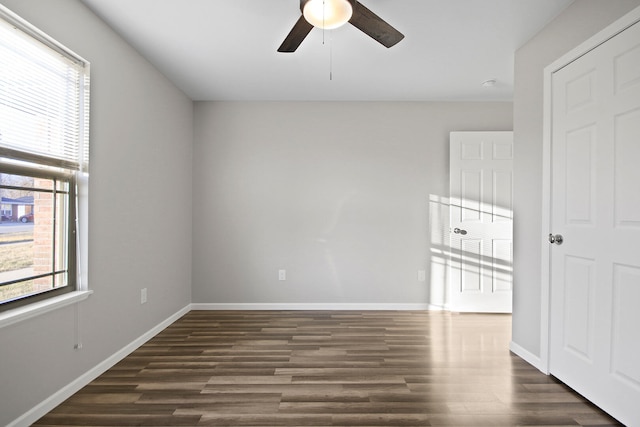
[[327, 369]]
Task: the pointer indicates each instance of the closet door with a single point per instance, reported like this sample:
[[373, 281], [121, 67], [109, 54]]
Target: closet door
[[595, 226]]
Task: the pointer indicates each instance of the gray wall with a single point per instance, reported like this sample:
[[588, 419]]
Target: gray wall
[[338, 194], [578, 22], [140, 214], [350, 198]]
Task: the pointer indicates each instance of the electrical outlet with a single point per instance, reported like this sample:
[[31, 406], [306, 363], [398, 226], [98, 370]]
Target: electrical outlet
[[282, 275], [143, 295], [422, 276]]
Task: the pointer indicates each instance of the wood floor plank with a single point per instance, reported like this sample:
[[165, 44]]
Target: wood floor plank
[[324, 368]]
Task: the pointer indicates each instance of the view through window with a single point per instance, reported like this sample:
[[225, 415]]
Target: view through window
[[35, 234]]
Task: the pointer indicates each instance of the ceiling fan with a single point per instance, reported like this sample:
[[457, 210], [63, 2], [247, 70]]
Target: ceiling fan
[[329, 14]]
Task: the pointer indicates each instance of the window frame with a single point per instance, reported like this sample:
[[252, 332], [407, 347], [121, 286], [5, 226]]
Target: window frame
[[75, 172]]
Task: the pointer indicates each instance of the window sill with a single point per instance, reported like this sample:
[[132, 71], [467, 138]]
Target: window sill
[[36, 309]]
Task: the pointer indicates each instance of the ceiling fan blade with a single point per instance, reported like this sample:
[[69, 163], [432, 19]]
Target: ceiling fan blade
[[374, 26], [296, 35]]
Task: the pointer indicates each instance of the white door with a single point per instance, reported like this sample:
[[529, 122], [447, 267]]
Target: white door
[[481, 217], [595, 207]]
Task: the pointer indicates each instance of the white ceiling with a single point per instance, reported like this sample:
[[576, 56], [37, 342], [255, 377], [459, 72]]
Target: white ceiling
[[226, 49]]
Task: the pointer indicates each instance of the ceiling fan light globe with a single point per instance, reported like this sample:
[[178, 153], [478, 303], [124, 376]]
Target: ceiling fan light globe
[[327, 14]]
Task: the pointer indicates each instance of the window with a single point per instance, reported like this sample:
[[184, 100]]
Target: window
[[44, 157], [36, 256]]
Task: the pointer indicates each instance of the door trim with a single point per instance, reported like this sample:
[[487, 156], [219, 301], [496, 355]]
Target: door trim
[[590, 44]]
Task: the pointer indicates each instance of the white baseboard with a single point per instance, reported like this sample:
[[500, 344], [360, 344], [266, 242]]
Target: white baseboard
[[44, 407], [528, 357], [313, 306]]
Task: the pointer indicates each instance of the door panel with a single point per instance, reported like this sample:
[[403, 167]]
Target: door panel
[[481, 200], [579, 310], [579, 175], [595, 272], [627, 153], [626, 296], [501, 262], [502, 196], [580, 91], [471, 196], [627, 73]]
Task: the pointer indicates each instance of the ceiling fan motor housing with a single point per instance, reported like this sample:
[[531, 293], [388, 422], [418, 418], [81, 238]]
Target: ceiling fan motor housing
[[361, 17], [303, 2]]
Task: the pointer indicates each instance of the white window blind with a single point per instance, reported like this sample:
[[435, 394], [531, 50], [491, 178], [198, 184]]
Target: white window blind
[[44, 98]]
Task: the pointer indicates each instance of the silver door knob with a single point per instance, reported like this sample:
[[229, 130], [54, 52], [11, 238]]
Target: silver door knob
[[557, 239], [458, 231]]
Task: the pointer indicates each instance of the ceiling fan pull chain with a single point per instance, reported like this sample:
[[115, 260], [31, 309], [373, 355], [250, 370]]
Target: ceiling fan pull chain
[[330, 57]]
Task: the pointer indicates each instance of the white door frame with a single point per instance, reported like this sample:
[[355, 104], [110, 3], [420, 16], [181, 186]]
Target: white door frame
[[545, 270]]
